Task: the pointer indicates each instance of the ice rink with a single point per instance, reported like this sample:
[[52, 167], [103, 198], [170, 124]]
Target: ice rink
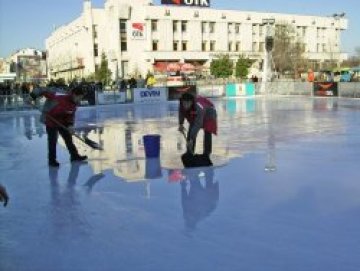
[[285, 194]]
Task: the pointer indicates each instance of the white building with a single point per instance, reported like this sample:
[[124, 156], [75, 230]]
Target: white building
[[5, 74], [30, 52], [24, 65], [137, 36]]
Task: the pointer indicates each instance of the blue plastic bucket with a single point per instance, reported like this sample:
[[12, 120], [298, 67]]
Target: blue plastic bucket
[[153, 168], [152, 146]]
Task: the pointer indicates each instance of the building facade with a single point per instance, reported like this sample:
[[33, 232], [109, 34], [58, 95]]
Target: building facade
[[24, 65], [5, 74], [137, 37], [28, 64]]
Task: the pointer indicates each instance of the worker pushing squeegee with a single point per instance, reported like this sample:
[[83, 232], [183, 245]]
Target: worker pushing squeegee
[[201, 114], [58, 114]]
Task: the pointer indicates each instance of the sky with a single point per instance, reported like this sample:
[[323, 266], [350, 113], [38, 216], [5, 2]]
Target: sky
[[25, 23]]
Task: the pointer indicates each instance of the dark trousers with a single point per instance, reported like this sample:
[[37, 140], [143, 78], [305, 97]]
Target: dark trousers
[[207, 142], [53, 134]]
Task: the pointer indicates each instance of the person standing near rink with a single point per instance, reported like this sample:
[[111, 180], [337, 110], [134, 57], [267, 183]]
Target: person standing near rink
[[58, 114], [200, 113]]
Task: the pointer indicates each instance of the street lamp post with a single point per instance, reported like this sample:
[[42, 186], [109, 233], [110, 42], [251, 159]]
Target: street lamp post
[[269, 44], [336, 40]]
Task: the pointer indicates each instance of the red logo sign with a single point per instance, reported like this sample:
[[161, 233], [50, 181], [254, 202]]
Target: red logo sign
[[196, 3], [138, 26], [138, 31]]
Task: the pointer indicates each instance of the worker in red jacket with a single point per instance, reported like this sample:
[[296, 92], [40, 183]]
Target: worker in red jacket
[[58, 114], [201, 114]]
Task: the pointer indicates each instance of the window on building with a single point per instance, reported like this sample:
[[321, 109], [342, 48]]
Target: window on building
[[304, 31], [95, 31], [254, 29], [184, 26], [123, 36], [230, 28], [212, 45], [184, 45], [261, 29], [203, 46], [212, 27], [324, 47], [96, 50], [262, 47], [323, 32], [123, 45], [318, 30], [203, 27], [237, 28], [155, 45], [175, 26], [318, 48], [230, 46], [154, 25], [255, 47], [122, 26], [238, 46], [175, 45]]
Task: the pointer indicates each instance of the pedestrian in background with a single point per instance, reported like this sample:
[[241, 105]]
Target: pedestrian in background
[[140, 82]]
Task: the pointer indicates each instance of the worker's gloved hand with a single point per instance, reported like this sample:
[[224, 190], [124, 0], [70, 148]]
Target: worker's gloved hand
[[181, 128], [3, 195], [29, 100]]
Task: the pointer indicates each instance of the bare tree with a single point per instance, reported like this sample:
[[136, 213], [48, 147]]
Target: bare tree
[[353, 60], [288, 53], [357, 51]]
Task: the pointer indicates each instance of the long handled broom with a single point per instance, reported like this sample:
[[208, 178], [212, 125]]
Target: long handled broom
[[187, 146]]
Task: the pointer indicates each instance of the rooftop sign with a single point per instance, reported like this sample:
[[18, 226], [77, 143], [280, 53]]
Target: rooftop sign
[[196, 3]]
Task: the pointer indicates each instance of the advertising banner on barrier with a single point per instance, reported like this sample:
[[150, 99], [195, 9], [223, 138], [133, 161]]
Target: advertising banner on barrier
[[240, 90], [150, 95], [249, 89], [326, 89], [176, 92], [235, 90], [230, 90], [110, 97], [211, 91]]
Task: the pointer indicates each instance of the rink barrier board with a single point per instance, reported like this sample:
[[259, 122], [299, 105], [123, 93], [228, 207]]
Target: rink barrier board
[[111, 97], [240, 90], [150, 95], [15, 102]]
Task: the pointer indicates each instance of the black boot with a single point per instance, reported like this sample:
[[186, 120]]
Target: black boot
[[54, 163], [207, 159], [78, 158]]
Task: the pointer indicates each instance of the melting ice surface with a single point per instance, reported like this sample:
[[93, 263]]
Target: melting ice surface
[[284, 196]]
